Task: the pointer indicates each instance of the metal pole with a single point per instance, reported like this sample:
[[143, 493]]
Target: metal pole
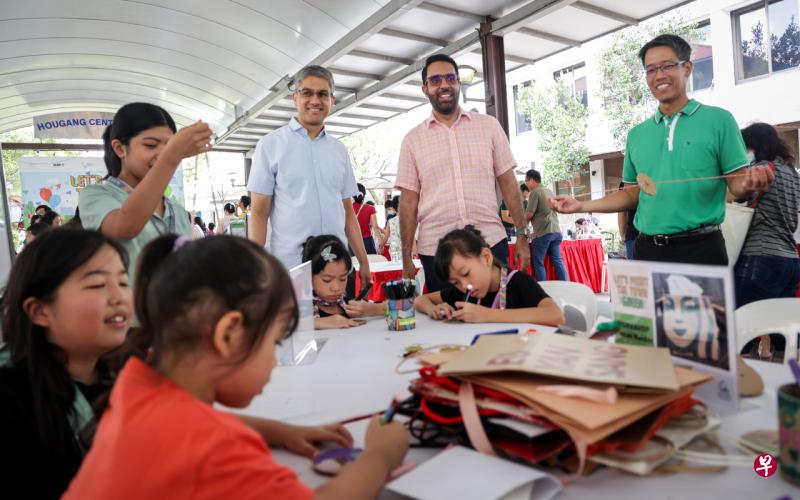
[[494, 73]]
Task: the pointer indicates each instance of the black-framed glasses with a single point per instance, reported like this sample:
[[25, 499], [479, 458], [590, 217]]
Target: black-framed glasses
[[309, 93], [666, 67], [437, 80]]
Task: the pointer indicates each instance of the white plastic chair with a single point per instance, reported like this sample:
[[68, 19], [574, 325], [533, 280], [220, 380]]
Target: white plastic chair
[[371, 257], [574, 298], [769, 316]]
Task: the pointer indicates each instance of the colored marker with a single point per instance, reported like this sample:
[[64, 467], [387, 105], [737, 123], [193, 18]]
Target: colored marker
[[469, 292], [498, 332], [388, 415]]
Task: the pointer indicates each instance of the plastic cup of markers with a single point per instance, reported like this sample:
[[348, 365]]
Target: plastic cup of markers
[[400, 314]]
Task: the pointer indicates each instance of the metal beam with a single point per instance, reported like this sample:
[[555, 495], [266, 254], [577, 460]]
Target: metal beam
[[549, 37], [337, 123], [404, 97], [460, 46], [510, 57], [356, 116], [38, 146], [356, 74], [441, 42], [527, 14], [380, 57], [378, 107], [430, 7], [610, 14], [373, 24]]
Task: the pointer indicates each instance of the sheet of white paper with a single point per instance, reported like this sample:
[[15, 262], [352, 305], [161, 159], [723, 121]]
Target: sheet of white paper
[[465, 474], [527, 429]]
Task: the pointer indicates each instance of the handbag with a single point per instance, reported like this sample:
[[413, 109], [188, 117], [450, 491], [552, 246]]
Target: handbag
[[737, 224], [735, 228]]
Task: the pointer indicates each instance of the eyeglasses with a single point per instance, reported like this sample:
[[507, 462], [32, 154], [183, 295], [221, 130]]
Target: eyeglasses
[[436, 80], [309, 93], [666, 67]]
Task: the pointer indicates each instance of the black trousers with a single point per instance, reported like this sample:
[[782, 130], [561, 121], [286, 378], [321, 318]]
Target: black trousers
[[708, 249], [432, 281]]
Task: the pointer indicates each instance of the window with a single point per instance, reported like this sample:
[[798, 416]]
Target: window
[[767, 38], [523, 119], [702, 60], [575, 78], [579, 185]]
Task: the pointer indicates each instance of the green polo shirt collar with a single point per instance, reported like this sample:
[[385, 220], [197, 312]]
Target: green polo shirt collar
[[688, 110]]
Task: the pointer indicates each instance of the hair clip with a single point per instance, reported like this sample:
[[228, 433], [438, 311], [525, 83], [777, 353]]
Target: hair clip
[[327, 254], [179, 242]]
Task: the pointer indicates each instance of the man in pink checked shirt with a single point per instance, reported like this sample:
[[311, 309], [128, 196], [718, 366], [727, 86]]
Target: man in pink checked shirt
[[447, 172]]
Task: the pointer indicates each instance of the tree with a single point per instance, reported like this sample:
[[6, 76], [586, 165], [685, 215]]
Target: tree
[[786, 48], [625, 98], [373, 150], [559, 119]]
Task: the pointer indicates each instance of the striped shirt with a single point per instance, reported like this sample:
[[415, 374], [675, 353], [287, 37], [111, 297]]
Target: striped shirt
[[775, 218], [454, 171]]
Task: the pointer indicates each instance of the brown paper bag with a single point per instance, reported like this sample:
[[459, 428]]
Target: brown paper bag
[[561, 356], [586, 419]]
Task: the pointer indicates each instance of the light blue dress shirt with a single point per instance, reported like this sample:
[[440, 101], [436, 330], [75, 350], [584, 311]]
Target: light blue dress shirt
[[307, 179]]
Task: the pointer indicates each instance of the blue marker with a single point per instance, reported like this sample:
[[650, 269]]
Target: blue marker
[[498, 332], [388, 415]]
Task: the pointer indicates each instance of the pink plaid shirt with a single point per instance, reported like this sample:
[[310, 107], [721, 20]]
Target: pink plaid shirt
[[454, 170]]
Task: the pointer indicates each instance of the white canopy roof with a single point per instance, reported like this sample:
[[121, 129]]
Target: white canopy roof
[[229, 61]]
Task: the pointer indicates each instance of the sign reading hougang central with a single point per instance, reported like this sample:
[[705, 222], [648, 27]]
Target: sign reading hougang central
[[76, 125]]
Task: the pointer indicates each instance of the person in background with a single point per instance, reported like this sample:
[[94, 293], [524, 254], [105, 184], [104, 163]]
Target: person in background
[[244, 206], [42, 209], [627, 231], [67, 304], [196, 231], [302, 181], [684, 139], [768, 265], [499, 295], [505, 215], [35, 230], [211, 229], [392, 232], [546, 237], [35, 218], [229, 213], [51, 218], [331, 266], [367, 219], [198, 221], [214, 334], [448, 170], [142, 152]]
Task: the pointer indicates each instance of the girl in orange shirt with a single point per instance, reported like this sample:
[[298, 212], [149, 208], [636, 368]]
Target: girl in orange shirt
[[213, 335]]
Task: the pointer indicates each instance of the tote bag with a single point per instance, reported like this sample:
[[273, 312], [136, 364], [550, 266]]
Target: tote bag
[[734, 229]]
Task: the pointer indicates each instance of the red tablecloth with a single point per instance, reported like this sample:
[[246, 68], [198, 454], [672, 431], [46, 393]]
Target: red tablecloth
[[378, 279], [583, 260]]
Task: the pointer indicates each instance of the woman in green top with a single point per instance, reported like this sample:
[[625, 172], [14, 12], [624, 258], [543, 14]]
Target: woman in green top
[[142, 152]]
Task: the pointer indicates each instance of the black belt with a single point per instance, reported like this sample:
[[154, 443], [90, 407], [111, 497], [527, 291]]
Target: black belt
[[663, 240]]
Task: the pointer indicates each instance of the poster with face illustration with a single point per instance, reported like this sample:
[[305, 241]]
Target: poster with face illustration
[[692, 313]]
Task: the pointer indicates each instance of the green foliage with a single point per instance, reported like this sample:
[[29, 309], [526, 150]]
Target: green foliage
[[625, 98], [560, 123], [786, 48], [373, 150]]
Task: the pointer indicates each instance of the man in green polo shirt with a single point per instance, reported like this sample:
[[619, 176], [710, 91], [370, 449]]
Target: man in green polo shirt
[[683, 141]]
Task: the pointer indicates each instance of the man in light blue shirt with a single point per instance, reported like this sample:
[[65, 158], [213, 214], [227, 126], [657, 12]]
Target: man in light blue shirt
[[301, 179]]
